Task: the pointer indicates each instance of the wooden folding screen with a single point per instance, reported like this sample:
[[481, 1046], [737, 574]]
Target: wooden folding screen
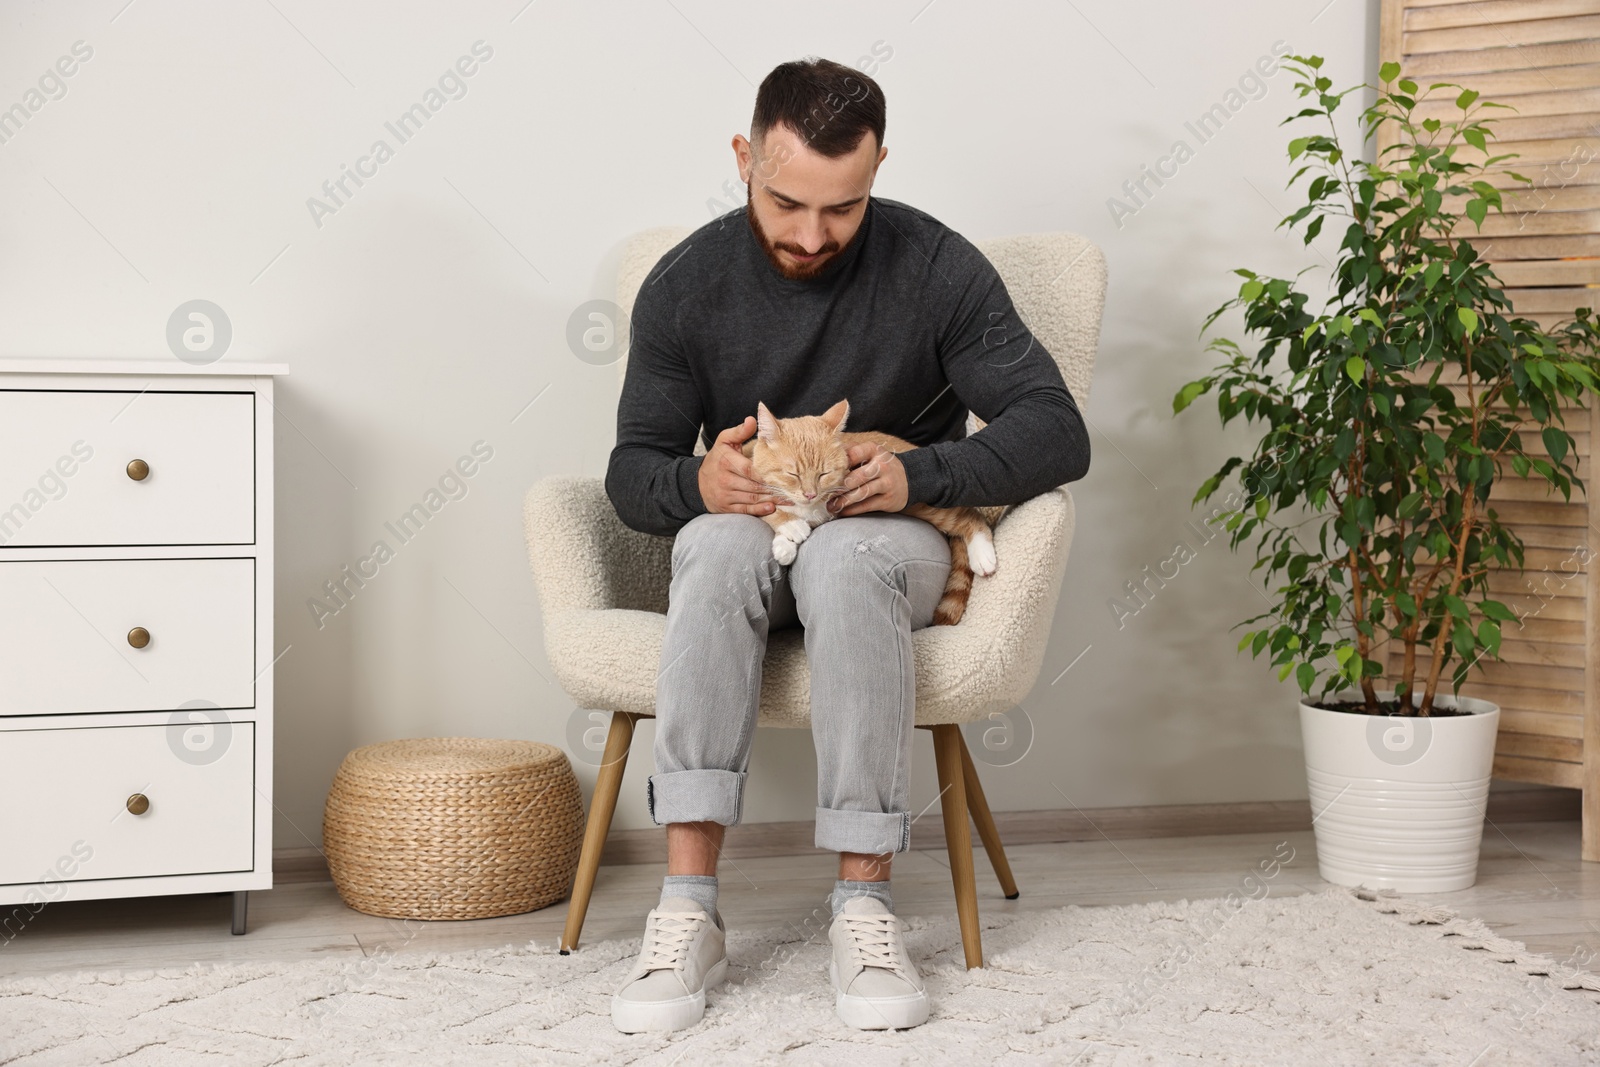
[[1543, 58]]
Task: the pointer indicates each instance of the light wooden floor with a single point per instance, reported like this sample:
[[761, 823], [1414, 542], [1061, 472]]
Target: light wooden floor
[[1531, 887]]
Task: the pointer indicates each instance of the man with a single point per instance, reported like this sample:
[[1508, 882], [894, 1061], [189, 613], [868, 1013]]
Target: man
[[812, 293]]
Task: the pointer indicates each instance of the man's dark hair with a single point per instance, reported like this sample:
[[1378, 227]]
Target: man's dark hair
[[829, 106]]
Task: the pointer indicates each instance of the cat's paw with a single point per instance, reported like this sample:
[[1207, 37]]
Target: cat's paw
[[980, 554], [783, 550], [796, 530]]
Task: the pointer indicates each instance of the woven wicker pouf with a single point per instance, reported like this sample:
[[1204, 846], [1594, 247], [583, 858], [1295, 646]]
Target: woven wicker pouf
[[453, 828]]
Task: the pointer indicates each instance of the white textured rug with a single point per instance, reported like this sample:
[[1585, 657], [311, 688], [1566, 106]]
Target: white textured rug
[[1328, 978]]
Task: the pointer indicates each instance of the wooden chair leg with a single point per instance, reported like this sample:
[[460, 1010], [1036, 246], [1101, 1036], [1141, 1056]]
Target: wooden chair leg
[[606, 788], [978, 804], [957, 837], [1590, 834]]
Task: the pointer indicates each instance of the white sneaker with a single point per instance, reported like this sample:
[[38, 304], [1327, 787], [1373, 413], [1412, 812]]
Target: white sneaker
[[681, 957], [877, 986]]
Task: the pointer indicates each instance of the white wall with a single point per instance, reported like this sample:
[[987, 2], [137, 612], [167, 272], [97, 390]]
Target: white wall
[[430, 309]]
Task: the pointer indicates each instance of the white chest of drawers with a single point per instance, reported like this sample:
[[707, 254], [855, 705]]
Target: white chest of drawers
[[136, 636]]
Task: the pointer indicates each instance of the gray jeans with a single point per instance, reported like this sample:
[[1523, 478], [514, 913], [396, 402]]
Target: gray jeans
[[857, 587]]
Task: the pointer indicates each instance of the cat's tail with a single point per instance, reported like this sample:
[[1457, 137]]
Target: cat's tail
[[971, 552], [957, 588]]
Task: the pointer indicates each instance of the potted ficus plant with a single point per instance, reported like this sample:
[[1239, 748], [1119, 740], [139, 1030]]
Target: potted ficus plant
[[1386, 419]]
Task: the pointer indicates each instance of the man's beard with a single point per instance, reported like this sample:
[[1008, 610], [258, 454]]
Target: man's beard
[[794, 272]]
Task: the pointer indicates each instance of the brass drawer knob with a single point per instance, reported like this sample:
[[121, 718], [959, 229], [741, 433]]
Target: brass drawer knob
[[138, 470], [138, 803], [138, 637]]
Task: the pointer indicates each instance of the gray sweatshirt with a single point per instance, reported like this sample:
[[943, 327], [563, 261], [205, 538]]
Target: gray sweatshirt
[[910, 323]]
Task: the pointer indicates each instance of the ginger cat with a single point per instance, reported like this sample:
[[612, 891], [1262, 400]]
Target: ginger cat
[[802, 461]]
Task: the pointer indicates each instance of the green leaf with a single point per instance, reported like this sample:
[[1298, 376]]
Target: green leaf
[[1469, 319], [1186, 395], [1250, 290], [1306, 674], [1430, 276], [1474, 137], [1477, 210], [1457, 606], [1344, 443], [1465, 100], [1555, 441], [1389, 72], [1356, 368], [1496, 610], [1489, 636], [1463, 640]]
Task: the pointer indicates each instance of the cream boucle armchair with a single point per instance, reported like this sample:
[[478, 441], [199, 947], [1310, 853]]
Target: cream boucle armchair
[[603, 587]]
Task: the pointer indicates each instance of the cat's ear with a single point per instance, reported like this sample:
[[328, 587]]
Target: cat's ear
[[836, 415], [766, 423]]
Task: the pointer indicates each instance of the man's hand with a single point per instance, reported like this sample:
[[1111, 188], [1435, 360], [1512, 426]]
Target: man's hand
[[877, 482], [727, 477]]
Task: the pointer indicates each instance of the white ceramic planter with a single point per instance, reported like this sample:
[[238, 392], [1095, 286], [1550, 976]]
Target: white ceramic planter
[[1397, 802]]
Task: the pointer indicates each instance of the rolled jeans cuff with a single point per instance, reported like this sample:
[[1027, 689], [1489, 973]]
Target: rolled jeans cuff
[[870, 832], [705, 795]]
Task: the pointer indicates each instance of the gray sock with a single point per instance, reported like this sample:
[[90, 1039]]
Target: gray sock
[[844, 889], [700, 888]]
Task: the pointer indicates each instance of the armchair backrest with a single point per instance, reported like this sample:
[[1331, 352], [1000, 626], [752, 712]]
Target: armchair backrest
[[1056, 280]]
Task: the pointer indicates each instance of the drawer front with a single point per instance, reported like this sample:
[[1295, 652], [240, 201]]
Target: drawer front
[[64, 468], [66, 792], [67, 640]]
